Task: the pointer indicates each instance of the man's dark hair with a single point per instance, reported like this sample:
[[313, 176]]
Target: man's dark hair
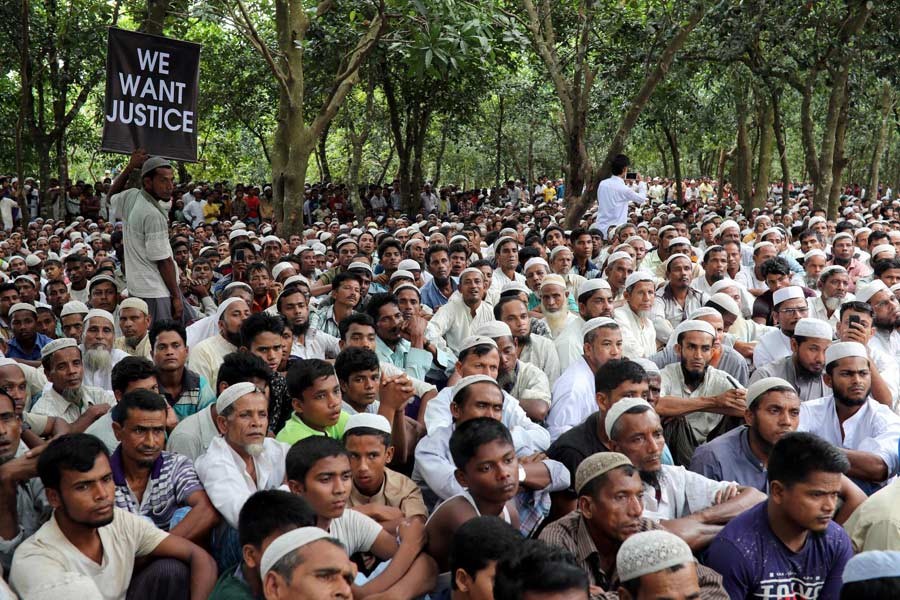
[[73, 258], [354, 360], [477, 350], [633, 586], [304, 454], [242, 246], [498, 308], [480, 541], [272, 511], [302, 375], [70, 452], [340, 278], [259, 266], [389, 243], [775, 266], [434, 250], [553, 228], [877, 588], [131, 368], [147, 400], [354, 319], [164, 325], [886, 264], [463, 396], [877, 236], [46, 285], [617, 371], [619, 164], [242, 366], [809, 233], [455, 248], [538, 567], [361, 431], [577, 233], [712, 249], [373, 308], [257, 323], [592, 487], [290, 290], [797, 455], [857, 306], [470, 435]]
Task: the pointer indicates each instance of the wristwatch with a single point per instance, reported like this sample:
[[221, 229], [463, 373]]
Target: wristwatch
[[521, 474]]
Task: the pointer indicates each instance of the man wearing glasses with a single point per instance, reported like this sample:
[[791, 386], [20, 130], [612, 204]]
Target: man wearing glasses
[[789, 307]]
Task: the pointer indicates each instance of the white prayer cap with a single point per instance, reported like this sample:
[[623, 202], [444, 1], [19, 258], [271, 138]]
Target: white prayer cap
[[595, 323], [32, 260], [301, 249], [842, 235], [840, 350], [57, 344], [637, 277], [25, 278], [271, 239], [787, 293], [74, 307], [873, 564], [476, 340], [815, 221], [220, 312], [42, 306], [238, 225], [135, 303], [884, 249], [726, 302], [537, 260], [861, 230], [559, 250], [409, 264], [22, 306], [468, 270], [722, 284], [286, 543], [759, 245], [467, 381], [402, 274], [704, 311], [294, 279], [407, 286], [592, 285], [235, 284], [664, 229], [771, 230], [459, 238], [728, 224], [617, 256], [503, 239], [619, 408], [279, 269], [233, 393], [693, 325], [895, 287], [813, 328], [816, 252], [207, 249], [649, 366], [99, 312], [237, 233], [515, 285], [669, 260], [369, 421], [650, 552], [865, 292], [553, 279], [675, 241], [361, 266], [494, 330], [596, 465], [761, 386], [103, 277], [831, 269]]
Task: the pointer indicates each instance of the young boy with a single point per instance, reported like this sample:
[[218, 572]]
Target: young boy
[[486, 465], [318, 469], [383, 494], [316, 400], [474, 552]]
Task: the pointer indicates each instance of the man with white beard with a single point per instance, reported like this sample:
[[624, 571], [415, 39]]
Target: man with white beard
[[555, 304], [834, 281], [241, 461], [100, 357], [814, 263], [638, 333], [65, 396], [206, 358]]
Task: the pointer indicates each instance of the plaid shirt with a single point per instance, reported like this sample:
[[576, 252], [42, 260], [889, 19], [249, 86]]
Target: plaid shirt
[[571, 533]]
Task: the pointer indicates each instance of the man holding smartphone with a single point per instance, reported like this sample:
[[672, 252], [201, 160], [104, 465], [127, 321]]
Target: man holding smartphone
[[614, 195]]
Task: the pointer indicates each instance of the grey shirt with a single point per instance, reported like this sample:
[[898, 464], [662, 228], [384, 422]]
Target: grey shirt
[[731, 362], [809, 388], [32, 511], [729, 458]]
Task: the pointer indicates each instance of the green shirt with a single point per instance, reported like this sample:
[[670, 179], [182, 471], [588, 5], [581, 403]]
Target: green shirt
[[296, 430], [230, 587]]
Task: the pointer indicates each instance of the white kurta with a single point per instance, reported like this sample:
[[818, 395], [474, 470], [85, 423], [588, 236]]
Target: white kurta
[[682, 493], [531, 383], [771, 347], [638, 335], [541, 352], [454, 322], [569, 344], [574, 398], [52, 404], [208, 356]]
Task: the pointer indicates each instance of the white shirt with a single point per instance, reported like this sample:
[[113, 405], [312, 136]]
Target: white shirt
[[224, 475], [874, 428], [682, 493], [316, 344], [570, 344], [7, 205], [638, 335], [193, 434], [500, 279], [531, 383], [888, 343], [207, 356], [772, 346], [541, 352], [613, 197], [102, 379], [52, 404], [356, 531], [574, 398], [453, 323], [817, 310]]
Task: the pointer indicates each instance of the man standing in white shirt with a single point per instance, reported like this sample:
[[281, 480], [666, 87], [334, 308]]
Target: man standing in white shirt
[[613, 196]]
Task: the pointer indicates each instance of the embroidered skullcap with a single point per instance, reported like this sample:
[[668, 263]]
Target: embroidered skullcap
[[761, 386], [135, 303], [75, 307], [409, 264], [841, 236], [553, 279], [596, 465], [237, 233], [360, 266], [840, 350], [678, 241], [476, 340], [884, 248], [502, 240], [56, 345], [220, 312], [101, 278], [693, 325], [558, 250], [233, 393], [271, 239], [650, 552]]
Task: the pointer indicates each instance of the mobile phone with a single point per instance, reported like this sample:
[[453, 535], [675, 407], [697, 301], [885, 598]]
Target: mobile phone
[[853, 319], [241, 255], [631, 176]]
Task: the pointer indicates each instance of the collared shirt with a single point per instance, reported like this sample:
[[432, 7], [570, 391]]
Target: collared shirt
[[196, 394], [228, 484], [415, 362], [681, 493], [32, 511], [665, 306], [530, 383], [638, 334], [53, 404], [729, 458], [590, 270], [875, 524], [172, 481], [771, 347], [541, 352], [874, 428], [613, 197], [808, 388], [397, 490], [730, 361], [574, 398], [714, 382], [454, 322], [433, 297], [571, 532], [142, 349], [323, 320], [316, 344], [207, 356], [500, 279], [15, 350], [295, 429]]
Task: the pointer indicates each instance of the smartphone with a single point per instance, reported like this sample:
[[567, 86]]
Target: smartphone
[[853, 319], [631, 176], [241, 256]]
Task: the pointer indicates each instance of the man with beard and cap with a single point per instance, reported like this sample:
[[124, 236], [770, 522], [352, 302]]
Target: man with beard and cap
[[241, 460], [887, 317], [804, 367], [842, 249], [595, 299], [206, 358], [574, 393], [208, 326], [677, 299], [638, 333], [522, 380], [134, 323], [682, 501], [868, 432], [437, 292], [99, 355], [532, 348], [610, 507], [814, 262], [292, 303], [695, 396], [790, 307], [715, 268], [856, 325], [619, 265], [554, 304], [834, 281], [457, 320], [506, 253]]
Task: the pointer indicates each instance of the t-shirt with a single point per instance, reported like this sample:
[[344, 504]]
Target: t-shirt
[[46, 555], [356, 531], [296, 430], [754, 563], [146, 242], [231, 586]]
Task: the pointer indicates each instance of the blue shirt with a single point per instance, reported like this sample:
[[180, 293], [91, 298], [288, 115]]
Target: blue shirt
[[729, 458], [16, 351], [432, 297], [415, 362], [755, 563]]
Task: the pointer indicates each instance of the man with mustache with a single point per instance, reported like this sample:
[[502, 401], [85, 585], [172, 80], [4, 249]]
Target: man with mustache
[[677, 299], [206, 357], [531, 347], [134, 323], [803, 368], [97, 344], [293, 305], [868, 432], [833, 283], [638, 334], [887, 316], [554, 304], [790, 306], [715, 268]]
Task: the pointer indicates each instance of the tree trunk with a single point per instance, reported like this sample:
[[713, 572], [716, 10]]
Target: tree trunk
[[764, 149], [672, 139], [720, 173], [887, 104], [20, 120], [156, 17], [742, 156], [829, 130], [499, 143], [322, 153], [780, 142], [839, 161], [439, 161], [663, 156]]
